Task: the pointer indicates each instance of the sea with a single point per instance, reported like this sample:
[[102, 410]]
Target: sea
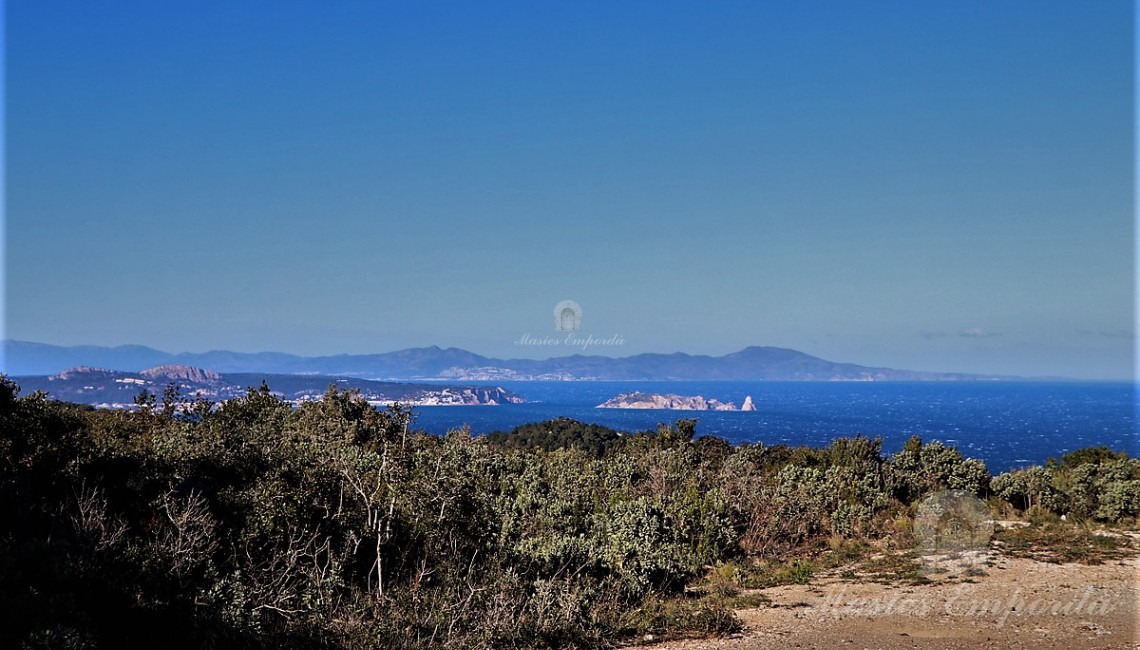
[[1004, 424]]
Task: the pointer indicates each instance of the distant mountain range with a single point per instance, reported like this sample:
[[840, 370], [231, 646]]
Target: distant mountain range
[[454, 364], [118, 389]]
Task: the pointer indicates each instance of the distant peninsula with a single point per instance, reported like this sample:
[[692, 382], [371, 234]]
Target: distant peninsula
[[116, 389], [671, 402]]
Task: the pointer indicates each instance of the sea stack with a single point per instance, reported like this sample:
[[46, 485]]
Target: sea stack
[[748, 405]]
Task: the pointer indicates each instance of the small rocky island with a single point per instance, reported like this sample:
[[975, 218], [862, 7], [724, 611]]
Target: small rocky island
[[673, 403]]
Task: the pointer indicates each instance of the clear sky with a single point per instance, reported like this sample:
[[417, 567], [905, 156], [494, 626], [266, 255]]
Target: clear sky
[[926, 185]]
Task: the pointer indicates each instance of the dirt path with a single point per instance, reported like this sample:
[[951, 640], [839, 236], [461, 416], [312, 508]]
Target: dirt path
[[1007, 603]]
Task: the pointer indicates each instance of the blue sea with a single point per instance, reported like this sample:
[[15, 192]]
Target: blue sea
[[1005, 424]]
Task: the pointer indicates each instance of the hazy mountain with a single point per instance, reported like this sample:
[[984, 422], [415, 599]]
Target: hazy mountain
[[24, 358], [753, 363]]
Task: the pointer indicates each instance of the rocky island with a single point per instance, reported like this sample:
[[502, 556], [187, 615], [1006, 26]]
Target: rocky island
[[673, 403]]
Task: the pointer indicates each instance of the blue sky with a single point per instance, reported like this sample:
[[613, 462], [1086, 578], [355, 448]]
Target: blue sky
[[937, 185]]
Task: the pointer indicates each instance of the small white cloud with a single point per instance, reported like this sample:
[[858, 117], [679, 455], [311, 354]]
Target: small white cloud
[[976, 333]]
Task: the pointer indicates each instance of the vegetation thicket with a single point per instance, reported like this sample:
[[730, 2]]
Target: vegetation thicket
[[255, 524]]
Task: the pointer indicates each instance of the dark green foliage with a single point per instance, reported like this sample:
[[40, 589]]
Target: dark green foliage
[[808, 495], [1091, 456], [666, 436], [920, 469], [561, 433], [1094, 483]]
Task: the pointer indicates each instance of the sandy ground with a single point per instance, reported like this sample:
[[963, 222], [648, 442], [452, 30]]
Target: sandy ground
[[1015, 603]]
